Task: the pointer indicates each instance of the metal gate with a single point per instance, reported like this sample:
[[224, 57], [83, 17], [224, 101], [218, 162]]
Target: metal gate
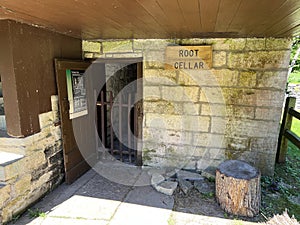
[[117, 126]]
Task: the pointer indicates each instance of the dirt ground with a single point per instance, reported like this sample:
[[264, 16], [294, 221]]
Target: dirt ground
[[205, 204]]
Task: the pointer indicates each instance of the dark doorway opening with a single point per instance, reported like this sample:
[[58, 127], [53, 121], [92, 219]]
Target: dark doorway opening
[[117, 112]]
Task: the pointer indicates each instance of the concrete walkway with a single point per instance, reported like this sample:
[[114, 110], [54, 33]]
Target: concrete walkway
[[93, 199]]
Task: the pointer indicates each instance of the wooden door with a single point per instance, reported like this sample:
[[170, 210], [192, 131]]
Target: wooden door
[[139, 112], [76, 161]]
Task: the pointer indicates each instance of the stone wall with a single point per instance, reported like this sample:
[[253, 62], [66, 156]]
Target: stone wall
[[39, 169], [196, 119]]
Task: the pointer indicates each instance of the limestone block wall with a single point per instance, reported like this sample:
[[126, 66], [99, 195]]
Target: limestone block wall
[[195, 119], [40, 170]]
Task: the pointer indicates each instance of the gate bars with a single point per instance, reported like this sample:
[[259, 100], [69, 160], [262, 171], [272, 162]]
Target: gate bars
[[119, 142]]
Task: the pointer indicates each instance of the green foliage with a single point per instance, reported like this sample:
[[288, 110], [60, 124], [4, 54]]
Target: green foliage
[[296, 126], [295, 46], [211, 179], [208, 195], [33, 213], [278, 191], [171, 220], [294, 78], [226, 216], [15, 218]]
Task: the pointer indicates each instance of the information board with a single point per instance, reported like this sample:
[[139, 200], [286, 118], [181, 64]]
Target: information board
[[76, 86]]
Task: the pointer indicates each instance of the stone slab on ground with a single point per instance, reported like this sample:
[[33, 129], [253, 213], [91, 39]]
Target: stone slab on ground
[[185, 186], [133, 214], [187, 175], [100, 187], [209, 173], [87, 208], [71, 204], [144, 179], [67, 221], [204, 186], [118, 172], [144, 205], [153, 170], [149, 197], [156, 179], [166, 187]]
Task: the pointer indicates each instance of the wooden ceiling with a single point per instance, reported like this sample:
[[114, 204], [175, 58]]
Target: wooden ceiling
[[106, 19]]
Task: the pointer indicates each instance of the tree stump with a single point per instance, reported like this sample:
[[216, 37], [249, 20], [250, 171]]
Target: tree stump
[[238, 188]]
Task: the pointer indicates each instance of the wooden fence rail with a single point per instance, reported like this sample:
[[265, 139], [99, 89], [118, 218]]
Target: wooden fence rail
[[286, 134]]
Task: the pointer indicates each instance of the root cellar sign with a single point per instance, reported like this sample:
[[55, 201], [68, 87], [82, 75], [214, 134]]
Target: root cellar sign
[[188, 57]]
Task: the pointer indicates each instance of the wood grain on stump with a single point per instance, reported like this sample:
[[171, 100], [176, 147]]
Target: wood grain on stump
[[238, 188]]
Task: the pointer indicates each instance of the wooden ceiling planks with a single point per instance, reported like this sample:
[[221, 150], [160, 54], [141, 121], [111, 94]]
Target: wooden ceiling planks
[[173, 10], [191, 15], [140, 17], [259, 17], [61, 20], [242, 20], [114, 11], [209, 11], [225, 17], [38, 22], [295, 31], [285, 21], [154, 9], [277, 15], [287, 28], [94, 19]]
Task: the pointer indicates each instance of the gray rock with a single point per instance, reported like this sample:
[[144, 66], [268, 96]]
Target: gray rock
[[186, 175], [166, 187], [154, 170], [209, 173], [156, 179], [171, 174], [204, 186], [185, 186]]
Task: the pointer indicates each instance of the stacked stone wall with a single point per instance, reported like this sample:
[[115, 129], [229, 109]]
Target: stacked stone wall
[[196, 119], [39, 171]]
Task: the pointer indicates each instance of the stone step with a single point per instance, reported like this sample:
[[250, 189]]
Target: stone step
[[11, 145], [10, 165], [13, 150]]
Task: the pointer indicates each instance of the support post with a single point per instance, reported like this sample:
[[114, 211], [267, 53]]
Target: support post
[[286, 124]]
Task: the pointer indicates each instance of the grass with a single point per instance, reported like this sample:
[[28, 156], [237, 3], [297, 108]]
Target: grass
[[34, 213], [294, 78], [278, 191], [296, 126]]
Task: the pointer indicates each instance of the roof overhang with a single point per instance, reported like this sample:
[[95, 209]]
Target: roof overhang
[[122, 19]]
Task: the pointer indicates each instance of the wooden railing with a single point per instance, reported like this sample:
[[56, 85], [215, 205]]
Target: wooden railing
[[286, 134]]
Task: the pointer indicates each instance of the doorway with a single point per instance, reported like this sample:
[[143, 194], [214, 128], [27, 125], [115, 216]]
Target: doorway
[[119, 112], [80, 145]]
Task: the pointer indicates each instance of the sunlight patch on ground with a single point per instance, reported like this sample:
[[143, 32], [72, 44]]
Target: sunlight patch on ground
[[90, 211]]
